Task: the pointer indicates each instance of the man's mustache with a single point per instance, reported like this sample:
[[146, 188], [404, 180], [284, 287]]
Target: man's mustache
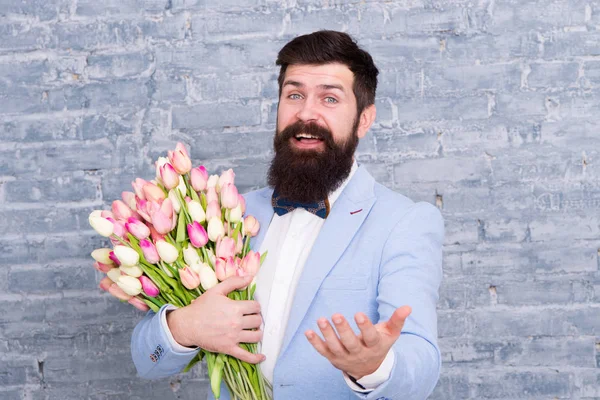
[[312, 129]]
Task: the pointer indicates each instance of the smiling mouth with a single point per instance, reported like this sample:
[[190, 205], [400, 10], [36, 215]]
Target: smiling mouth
[[307, 139]]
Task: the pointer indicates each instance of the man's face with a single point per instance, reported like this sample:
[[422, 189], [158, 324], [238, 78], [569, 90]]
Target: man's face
[[317, 132], [321, 95]]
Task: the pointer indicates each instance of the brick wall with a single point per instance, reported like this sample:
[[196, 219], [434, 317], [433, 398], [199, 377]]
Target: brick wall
[[489, 109]]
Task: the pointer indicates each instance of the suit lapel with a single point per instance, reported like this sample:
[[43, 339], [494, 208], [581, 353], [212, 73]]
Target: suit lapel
[[262, 210], [335, 236]]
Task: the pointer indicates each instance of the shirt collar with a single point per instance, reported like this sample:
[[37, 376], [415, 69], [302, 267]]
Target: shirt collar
[[336, 194]]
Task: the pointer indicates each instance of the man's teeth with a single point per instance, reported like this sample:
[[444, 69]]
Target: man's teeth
[[305, 136]]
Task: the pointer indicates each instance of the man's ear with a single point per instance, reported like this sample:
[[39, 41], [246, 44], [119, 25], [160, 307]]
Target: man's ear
[[367, 117]]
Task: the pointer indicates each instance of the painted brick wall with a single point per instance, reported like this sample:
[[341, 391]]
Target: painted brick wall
[[489, 109]]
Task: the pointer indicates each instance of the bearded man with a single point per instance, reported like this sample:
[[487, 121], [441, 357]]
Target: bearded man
[[346, 299]]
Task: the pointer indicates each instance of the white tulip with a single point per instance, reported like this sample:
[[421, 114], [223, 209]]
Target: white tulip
[[126, 255], [208, 278], [130, 285], [166, 251], [190, 255], [102, 256], [235, 215], [114, 274], [196, 211], [212, 181], [174, 200], [159, 163], [101, 225], [95, 213], [215, 229], [133, 270]]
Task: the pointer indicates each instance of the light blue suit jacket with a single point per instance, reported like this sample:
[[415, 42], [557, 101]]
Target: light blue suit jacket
[[376, 251]]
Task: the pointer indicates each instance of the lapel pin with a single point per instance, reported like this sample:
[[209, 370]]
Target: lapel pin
[[355, 212]]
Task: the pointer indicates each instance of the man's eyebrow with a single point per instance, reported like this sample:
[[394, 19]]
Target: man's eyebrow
[[322, 87], [329, 87]]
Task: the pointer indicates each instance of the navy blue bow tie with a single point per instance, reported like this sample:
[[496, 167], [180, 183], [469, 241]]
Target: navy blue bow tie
[[283, 206]]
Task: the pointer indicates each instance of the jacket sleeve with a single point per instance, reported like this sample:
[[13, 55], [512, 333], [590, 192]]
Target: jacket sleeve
[[410, 273], [153, 350]]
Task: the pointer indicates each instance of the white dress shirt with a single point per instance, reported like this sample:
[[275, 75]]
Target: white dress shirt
[[289, 240]]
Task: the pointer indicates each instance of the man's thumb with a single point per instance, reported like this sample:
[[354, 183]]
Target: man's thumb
[[233, 283]]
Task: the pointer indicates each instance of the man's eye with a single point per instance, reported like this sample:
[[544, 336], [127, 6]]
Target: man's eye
[[330, 100], [294, 96]]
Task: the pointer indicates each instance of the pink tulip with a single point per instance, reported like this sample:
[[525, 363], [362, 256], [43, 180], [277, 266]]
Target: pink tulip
[[148, 286], [138, 186], [138, 303], [251, 226], [199, 178], [251, 263], [105, 283], [212, 195], [142, 208], [189, 278], [242, 203], [229, 196], [197, 234], [103, 267], [225, 247], [155, 235], [119, 228], [116, 291], [129, 199], [227, 177], [107, 214], [180, 159], [121, 210], [213, 210], [164, 219], [149, 251], [114, 258], [137, 228], [169, 176], [225, 268], [153, 193]]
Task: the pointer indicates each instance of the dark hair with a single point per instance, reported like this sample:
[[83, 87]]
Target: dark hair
[[325, 47]]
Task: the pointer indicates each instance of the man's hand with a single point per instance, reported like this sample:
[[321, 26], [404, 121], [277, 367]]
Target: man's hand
[[360, 355], [216, 323]]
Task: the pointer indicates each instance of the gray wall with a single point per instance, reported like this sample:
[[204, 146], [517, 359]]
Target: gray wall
[[488, 109]]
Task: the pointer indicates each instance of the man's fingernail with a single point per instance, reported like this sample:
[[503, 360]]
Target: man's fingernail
[[337, 320], [322, 324], [360, 319]]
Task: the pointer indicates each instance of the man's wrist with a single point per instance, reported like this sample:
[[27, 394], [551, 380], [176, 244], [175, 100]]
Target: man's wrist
[[173, 323]]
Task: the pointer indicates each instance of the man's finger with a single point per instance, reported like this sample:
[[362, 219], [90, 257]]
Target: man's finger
[[251, 321], [370, 335], [347, 335], [396, 321], [248, 306], [251, 336], [244, 355], [331, 338], [318, 344], [232, 283]]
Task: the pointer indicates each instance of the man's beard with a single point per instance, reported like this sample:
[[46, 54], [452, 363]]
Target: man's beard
[[308, 176]]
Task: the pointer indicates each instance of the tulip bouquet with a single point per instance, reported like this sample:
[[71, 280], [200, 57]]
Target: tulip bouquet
[[176, 237]]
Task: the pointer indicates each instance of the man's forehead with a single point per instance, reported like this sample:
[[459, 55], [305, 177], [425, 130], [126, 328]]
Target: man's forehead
[[315, 75]]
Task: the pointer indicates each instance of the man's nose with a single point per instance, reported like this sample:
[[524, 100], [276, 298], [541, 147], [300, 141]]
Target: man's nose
[[308, 112]]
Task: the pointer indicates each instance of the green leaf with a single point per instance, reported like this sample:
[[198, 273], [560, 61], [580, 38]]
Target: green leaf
[[262, 257], [181, 228], [194, 361], [203, 200]]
